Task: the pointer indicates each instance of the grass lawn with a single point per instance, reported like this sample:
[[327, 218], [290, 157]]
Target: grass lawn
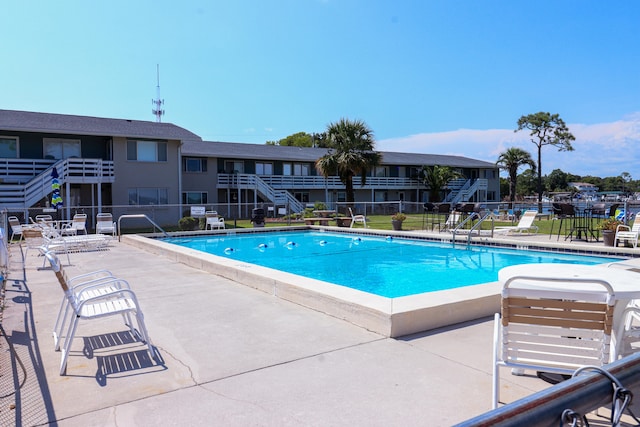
[[383, 222]]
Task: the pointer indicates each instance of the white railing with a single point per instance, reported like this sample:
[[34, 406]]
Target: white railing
[[465, 192], [19, 171], [254, 182], [319, 182], [20, 192]]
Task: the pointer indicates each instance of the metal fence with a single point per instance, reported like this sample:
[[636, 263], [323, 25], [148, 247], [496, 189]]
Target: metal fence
[[168, 216]]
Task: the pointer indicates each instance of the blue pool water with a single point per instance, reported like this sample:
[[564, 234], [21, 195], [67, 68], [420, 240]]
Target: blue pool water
[[374, 264]]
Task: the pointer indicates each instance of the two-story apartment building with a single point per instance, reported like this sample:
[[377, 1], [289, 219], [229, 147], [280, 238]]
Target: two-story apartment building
[[130, 166], [101, 162], [240, 173]]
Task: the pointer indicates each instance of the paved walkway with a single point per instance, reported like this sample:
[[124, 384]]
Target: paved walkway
[[231, 356]]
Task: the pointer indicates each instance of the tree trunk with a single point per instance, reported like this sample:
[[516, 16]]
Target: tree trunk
[[539, 178], [348, 183]]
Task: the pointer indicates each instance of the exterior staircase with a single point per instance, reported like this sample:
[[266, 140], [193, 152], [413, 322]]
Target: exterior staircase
[[463, 190], [24, 183], [267, 192]]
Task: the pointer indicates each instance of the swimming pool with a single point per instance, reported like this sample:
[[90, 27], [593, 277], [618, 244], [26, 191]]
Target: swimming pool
[[380, 265]]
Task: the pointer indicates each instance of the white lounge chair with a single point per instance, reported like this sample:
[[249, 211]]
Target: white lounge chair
[[355, 219], [120, 302], [213, 220], [524, 225], [105, 224], [77, 225], [452, 221], [628, 234], [88, 285], [16, 227], [551, 330], [37, 238]]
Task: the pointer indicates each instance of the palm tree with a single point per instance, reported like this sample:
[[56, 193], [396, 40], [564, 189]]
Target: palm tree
[[436, 178], [351, 152], [510, 161]]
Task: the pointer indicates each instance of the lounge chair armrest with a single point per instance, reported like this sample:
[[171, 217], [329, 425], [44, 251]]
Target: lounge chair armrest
[[623, 227]]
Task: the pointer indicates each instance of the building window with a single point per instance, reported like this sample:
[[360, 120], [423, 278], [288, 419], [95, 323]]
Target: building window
[[264, 168], [491, 196], [379, 196], [148, 196], [59, 148], [194, 198], [147, 151], [342, 197], [490, 174], [231, 166], [381, 171], [194, 164], [8, 147], [302, 196], [299, 169]]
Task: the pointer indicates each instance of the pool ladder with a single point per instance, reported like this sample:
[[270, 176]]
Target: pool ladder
[[140, 216], [475, 227]]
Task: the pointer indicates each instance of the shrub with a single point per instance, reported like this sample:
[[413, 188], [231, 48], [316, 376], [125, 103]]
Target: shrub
[[188, 223], [610, 224]]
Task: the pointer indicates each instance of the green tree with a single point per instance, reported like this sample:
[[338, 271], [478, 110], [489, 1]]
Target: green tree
[[351, 152], [625, 177], [557, 180], [510, 161], [546, 129], [526, 182], [436, 179], [300, 139]]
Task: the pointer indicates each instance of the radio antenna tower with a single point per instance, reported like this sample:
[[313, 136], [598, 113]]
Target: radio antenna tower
[[158, 103]]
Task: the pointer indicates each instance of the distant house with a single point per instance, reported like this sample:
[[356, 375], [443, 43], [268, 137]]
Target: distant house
[[586, 190], [130, 166]]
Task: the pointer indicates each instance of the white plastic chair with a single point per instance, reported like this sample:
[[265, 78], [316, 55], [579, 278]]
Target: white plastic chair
[[37, 238], [551, 330], [105, 224], [626, 233], [213, 220], [121, 301], [78, 224], [524, 225], [16, 227], [452, 221], [357, 219]]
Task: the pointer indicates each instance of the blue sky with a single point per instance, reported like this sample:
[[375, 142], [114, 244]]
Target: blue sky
[[446, 77]]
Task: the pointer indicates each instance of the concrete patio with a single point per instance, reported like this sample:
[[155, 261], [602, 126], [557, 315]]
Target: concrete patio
[[232, 356]]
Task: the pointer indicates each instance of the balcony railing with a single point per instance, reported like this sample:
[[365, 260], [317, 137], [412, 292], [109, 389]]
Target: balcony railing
[[25, 182], [289, 182]]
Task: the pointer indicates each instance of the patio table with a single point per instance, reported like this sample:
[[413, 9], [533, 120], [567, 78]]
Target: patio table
[[623, 282], [582, 226]]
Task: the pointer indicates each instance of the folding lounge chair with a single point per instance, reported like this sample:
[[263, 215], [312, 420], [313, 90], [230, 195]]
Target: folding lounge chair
[[77, 225], [524, 225], [121, 301], [452, 221], [357, 219], [544, 327], [16, 227], [36, 238], [628, 234]]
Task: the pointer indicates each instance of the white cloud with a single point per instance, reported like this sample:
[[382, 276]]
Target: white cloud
[[602, 149]]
